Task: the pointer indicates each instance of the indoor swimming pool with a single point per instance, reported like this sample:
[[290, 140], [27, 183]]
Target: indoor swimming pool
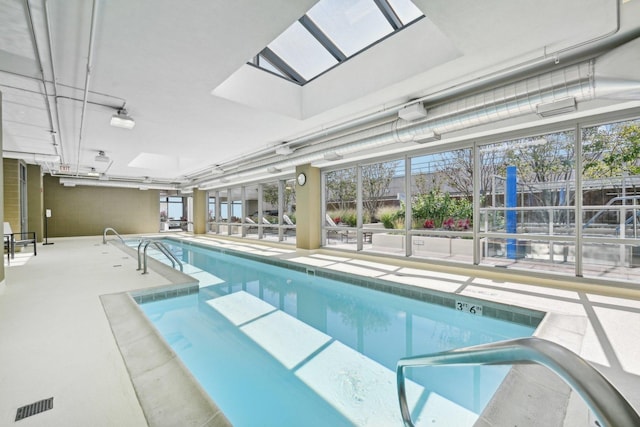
[[273, 346]]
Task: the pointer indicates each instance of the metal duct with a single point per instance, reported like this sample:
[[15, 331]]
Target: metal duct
[[505, 102], [515, 99]]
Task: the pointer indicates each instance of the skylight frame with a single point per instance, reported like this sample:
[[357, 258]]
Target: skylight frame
[[285, 70]]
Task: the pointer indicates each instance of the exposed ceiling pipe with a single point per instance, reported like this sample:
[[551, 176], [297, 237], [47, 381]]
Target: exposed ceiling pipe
[[515, 99], [60, 149], [52, 130], [94, 14], [578, 50]]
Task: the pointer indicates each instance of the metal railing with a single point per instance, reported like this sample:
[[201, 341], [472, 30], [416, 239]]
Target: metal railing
[[104, 235], [609, 407], [142, 260]]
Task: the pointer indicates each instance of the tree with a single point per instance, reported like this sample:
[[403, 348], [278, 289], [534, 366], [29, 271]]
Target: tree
[[341, 188], [611, 150], [376, 179]]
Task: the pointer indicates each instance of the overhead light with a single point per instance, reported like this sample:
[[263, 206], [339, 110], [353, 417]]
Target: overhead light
[[332, 156], [93, 172], [147, 180], [69, 184], [273, 169], [427, 137], [122, 120], [143, 188], [217, 170], [560, 106], [413, 112], [284, 150], [103, 177], [101, 157]]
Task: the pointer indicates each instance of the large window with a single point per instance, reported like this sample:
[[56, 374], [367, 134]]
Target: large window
[[611, 199], [255, 211], [556, 202], [530, 194]]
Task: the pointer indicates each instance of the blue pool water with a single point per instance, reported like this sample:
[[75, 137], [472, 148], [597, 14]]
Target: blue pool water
[[276, 347]]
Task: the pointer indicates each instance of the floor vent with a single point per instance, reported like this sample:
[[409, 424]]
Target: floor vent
[[34, 408]]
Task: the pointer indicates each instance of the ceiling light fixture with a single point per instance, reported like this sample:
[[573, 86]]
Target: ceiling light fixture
[[427, 137], [284, 150], [273, 169], [101, 157], [332, 156], [560, 106], [93, 172], [122, 120], [413, 112]]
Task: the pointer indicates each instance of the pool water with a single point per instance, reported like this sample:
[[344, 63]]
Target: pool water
[[276, 347]]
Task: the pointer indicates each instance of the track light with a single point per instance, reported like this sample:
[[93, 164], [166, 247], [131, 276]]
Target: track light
[[122, 120], [561, 106], [284, 150], [332, 156], [427, 137], [101, 157]]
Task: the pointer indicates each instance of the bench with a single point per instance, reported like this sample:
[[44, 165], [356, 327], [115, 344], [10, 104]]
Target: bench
[[22, 238]]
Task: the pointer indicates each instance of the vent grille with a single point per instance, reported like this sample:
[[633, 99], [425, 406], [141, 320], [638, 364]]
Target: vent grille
[[34, 408]]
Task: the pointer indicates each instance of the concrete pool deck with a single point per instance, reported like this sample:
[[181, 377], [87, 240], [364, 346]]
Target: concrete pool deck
[[56, 340]]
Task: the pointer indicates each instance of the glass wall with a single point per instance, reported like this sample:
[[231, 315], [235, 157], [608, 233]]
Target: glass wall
[[528, 209], [611, 200], [255, 211], [557, 202], [173, 213]]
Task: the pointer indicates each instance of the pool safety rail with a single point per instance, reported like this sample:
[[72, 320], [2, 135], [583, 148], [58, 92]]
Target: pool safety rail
[[104, 235], [142, 259], [609, 407]]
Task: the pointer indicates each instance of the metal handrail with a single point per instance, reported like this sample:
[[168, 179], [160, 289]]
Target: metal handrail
[[607, 404], [142, 261], [104, 235]]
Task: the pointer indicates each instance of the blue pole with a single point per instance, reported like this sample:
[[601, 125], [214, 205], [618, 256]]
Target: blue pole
[[511, 201]]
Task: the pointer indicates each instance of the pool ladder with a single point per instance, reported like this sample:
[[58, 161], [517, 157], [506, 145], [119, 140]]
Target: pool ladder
[[142, 260], [104, 235], [609, 407]]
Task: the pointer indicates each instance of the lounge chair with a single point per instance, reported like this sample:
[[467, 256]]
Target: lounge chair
[[287, 220], [252, 225], [342, 233]]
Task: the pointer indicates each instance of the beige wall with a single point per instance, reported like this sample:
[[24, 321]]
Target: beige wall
[[2, 286], [11, 177], [87, 211], [35, 198]]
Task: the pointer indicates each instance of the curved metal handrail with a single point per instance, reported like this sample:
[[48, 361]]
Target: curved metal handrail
[[603, 399], [104, 235], [142, 261]]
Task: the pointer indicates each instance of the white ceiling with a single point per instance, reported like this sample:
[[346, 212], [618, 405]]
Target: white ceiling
[[180, 67]]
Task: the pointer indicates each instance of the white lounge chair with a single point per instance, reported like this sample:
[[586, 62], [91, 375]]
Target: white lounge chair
[[287, 220], [342, 233]]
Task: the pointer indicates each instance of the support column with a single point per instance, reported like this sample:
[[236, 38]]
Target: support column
[[200, 211], [308, 208]]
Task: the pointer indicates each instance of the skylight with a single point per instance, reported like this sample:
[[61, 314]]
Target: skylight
[[330, 33]]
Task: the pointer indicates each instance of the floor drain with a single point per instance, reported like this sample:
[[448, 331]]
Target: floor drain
[[34, 408]]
